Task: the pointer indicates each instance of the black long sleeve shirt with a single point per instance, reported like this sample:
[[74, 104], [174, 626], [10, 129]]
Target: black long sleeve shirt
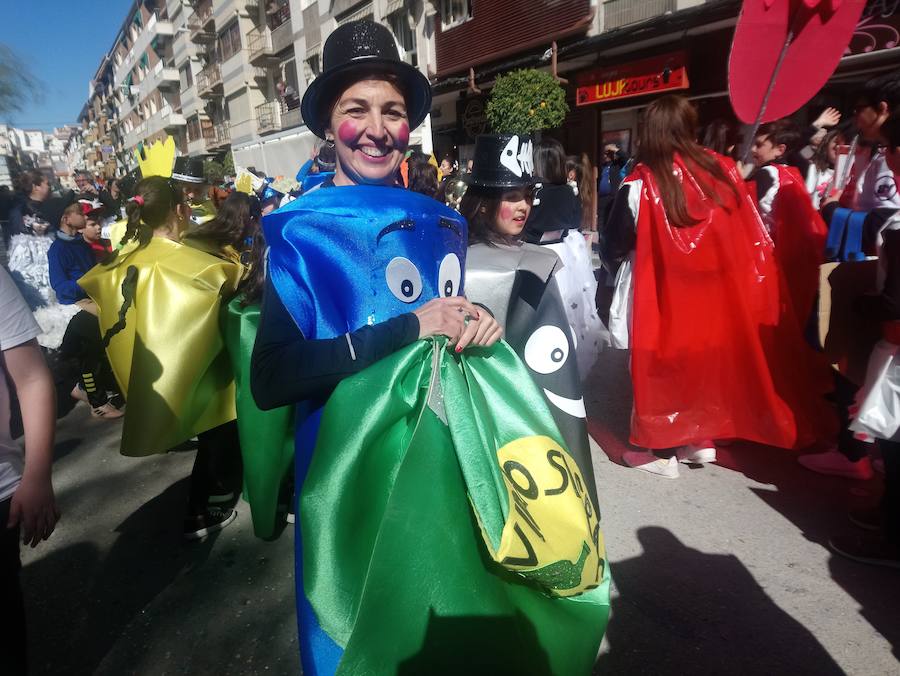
[[286, 368], [618, 237]]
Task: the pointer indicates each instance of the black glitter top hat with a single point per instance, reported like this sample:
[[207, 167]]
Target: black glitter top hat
[[502, 161], [188, 169], [350, 46]]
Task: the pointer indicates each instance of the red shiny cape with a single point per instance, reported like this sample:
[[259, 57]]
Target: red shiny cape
[[717, 351], [799, 233]]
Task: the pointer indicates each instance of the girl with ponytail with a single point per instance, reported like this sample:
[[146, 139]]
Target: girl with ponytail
[[698, 301], [159, 304]]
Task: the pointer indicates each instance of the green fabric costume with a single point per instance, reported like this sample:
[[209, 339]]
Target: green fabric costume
[[267, 437], [446, 529]]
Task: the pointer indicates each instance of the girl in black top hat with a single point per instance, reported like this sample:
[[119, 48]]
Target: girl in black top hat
[[517, 282]]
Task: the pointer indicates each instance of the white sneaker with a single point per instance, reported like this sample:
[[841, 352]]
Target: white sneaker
[[697, 454], [645, 460]]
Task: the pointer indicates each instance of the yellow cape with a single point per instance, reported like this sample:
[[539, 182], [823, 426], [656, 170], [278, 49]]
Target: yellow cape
[[169, 359]]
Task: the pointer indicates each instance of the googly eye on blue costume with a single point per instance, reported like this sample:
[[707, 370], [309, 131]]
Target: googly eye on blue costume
[[384, 251]]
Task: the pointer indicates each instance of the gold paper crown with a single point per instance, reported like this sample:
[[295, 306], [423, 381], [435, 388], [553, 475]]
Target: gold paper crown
[[243, 184], [157, 159]]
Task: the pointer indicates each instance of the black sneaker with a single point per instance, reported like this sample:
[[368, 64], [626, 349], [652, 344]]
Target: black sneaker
[[213, 519]]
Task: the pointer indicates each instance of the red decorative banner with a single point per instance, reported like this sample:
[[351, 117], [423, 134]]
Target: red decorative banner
[[648, 76]]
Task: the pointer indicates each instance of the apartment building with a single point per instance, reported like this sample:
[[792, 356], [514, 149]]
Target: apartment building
[[220, 75]]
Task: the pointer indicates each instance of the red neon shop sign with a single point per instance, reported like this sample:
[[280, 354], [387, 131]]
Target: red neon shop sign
[[648, 76]]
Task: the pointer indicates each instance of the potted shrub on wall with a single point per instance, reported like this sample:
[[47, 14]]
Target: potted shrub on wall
[[525, 102]]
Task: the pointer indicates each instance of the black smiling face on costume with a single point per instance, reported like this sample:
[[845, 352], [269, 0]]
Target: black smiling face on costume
[[550, 356]]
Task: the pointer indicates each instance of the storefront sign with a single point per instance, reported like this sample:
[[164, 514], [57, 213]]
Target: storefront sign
[[472, 118], [649, 76], [879, 28]]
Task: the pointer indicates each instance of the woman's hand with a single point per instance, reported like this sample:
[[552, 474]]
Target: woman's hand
[[482, 331], [458, 319]]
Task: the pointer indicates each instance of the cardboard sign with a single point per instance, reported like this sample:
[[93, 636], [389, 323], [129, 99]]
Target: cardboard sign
[[649, 76]]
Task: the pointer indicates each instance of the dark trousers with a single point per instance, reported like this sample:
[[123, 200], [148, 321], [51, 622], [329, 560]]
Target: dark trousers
[[218, 468], [844, 397], [890, 503], [82, 342], [13, 654]]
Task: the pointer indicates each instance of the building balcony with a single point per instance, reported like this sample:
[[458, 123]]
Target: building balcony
[[155, 29], [282, 33], [259, 44], [165, 118], [201, 24], [162, 76], [268, 117], [209, 82], [618, 13], [276, 115], [217, 136], [197, 146]]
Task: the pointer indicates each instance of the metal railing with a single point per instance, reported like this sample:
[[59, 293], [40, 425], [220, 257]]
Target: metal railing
[[208, 79], [268, 116], [198, 20], [259, 43], [217, 135]]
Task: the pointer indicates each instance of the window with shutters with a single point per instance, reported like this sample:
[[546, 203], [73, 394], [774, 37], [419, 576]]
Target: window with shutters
[[229, 42], [455, 12], [399, 23], [186, 76]]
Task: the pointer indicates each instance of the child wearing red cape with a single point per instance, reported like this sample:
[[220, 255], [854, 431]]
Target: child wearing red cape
[[795, 226], [717, 349]]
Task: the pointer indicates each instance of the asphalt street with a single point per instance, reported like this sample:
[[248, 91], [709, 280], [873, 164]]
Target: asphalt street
[[724, 570]]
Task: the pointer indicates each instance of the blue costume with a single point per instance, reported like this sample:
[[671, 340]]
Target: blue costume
[[342, 258]]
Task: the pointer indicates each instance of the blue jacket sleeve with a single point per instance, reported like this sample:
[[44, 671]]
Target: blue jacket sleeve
[[66, 289]]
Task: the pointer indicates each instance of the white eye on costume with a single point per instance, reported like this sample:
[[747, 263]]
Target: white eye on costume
[[449, 275], [403, 279], [547, 350]]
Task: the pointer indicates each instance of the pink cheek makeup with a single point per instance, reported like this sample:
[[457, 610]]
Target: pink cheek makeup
[[347, 132], [403, 136]]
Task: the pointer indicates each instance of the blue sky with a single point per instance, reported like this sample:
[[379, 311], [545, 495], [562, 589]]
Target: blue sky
[[62, 42]]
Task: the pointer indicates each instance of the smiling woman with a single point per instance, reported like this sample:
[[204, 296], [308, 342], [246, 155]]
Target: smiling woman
[[372, 132], [359, 268]]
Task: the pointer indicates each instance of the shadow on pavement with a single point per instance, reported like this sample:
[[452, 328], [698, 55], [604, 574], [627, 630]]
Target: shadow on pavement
[[682, 611], [79, 604], [816, 504]]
